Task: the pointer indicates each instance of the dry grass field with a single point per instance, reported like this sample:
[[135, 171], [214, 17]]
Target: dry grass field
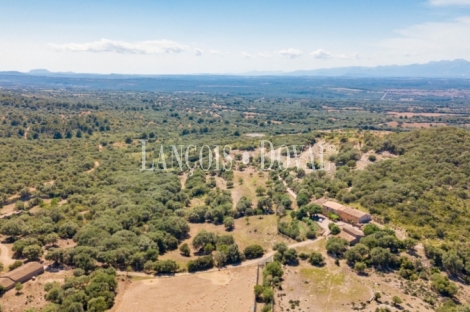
[[410, 115], [416, 124], [225, 290], [339, 288], [260, 230], [32, 294]]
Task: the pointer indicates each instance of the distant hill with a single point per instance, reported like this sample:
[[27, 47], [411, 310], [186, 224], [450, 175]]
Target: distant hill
[[40, 72], [441, 69]]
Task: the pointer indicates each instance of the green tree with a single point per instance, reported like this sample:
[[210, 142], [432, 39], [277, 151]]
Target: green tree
[[184, 250], [359, 252], [377, 296], [97, 304], [243, 204], [253, 252], [203, 238], [220, 259], [273, 269], [380, 257], [268, 294], [360, 267], [409, 243], [396, 300], [442, 285], [51, 238], [258, 290], [302, 199], [260, 191], [166, 266], [18, 287], [334, 229], [316, 259], [12, 228], [452, 262], [32, 252], [229, 223], [336, 246]]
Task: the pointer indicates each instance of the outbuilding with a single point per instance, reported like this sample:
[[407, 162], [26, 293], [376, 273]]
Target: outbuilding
[[22, 274]]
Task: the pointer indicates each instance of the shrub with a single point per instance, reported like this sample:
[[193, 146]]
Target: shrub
[[184, 250], [336, 246], [15, 265], [166, 266], [303, 256], [442, 285], [202, 263], [258, 290], [253, 252], [316, 259], [360, 267], [229, 223], [334, 229]]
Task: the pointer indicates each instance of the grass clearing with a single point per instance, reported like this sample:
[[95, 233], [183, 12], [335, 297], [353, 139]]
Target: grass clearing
[[260, 230]]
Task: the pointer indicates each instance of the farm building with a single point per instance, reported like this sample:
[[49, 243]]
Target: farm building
[[351, 234], [20, 275], [346, 214]]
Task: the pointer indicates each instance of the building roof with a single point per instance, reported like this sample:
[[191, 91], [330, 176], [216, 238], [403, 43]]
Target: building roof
[[24, 270], [6, 282], [346, 236], [354, 212], [333, 205], [350, 211], [352, 230]]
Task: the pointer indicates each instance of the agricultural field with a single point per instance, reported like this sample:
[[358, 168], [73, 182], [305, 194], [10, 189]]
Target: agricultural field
[[224, 290]]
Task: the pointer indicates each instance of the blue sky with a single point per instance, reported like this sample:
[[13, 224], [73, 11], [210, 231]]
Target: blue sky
[[179, 37]]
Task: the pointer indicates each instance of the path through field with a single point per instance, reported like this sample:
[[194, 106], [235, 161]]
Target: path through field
[[5, 255]]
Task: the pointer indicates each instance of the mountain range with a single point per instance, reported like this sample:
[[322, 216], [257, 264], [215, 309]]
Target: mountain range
[[459, 68]]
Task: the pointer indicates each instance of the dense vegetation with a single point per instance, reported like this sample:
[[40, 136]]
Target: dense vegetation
[[70, 163]]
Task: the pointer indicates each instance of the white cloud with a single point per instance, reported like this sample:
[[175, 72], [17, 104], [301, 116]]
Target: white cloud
[[321, 54], [325, 55], [215, 52], [106, 45], [247, 55], [264, 54], [432, 41], [352, 56], [198, 52], [290, 53], [449, 2]]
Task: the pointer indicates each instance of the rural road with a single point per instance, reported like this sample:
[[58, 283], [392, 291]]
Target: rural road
[[243, 264], [291, 192]]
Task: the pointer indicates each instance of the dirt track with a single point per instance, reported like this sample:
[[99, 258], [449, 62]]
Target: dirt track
[[5, 256]]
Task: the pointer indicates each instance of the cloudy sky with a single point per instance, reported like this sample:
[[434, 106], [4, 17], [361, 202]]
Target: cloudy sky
[[222, 36]]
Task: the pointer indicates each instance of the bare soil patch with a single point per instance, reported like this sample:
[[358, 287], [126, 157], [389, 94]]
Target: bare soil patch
[[364, 161], [119, 144], [32, 294], [6, 255], [416, 124], [93, 169], [254, 135], [225, 290], [409, 115]]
